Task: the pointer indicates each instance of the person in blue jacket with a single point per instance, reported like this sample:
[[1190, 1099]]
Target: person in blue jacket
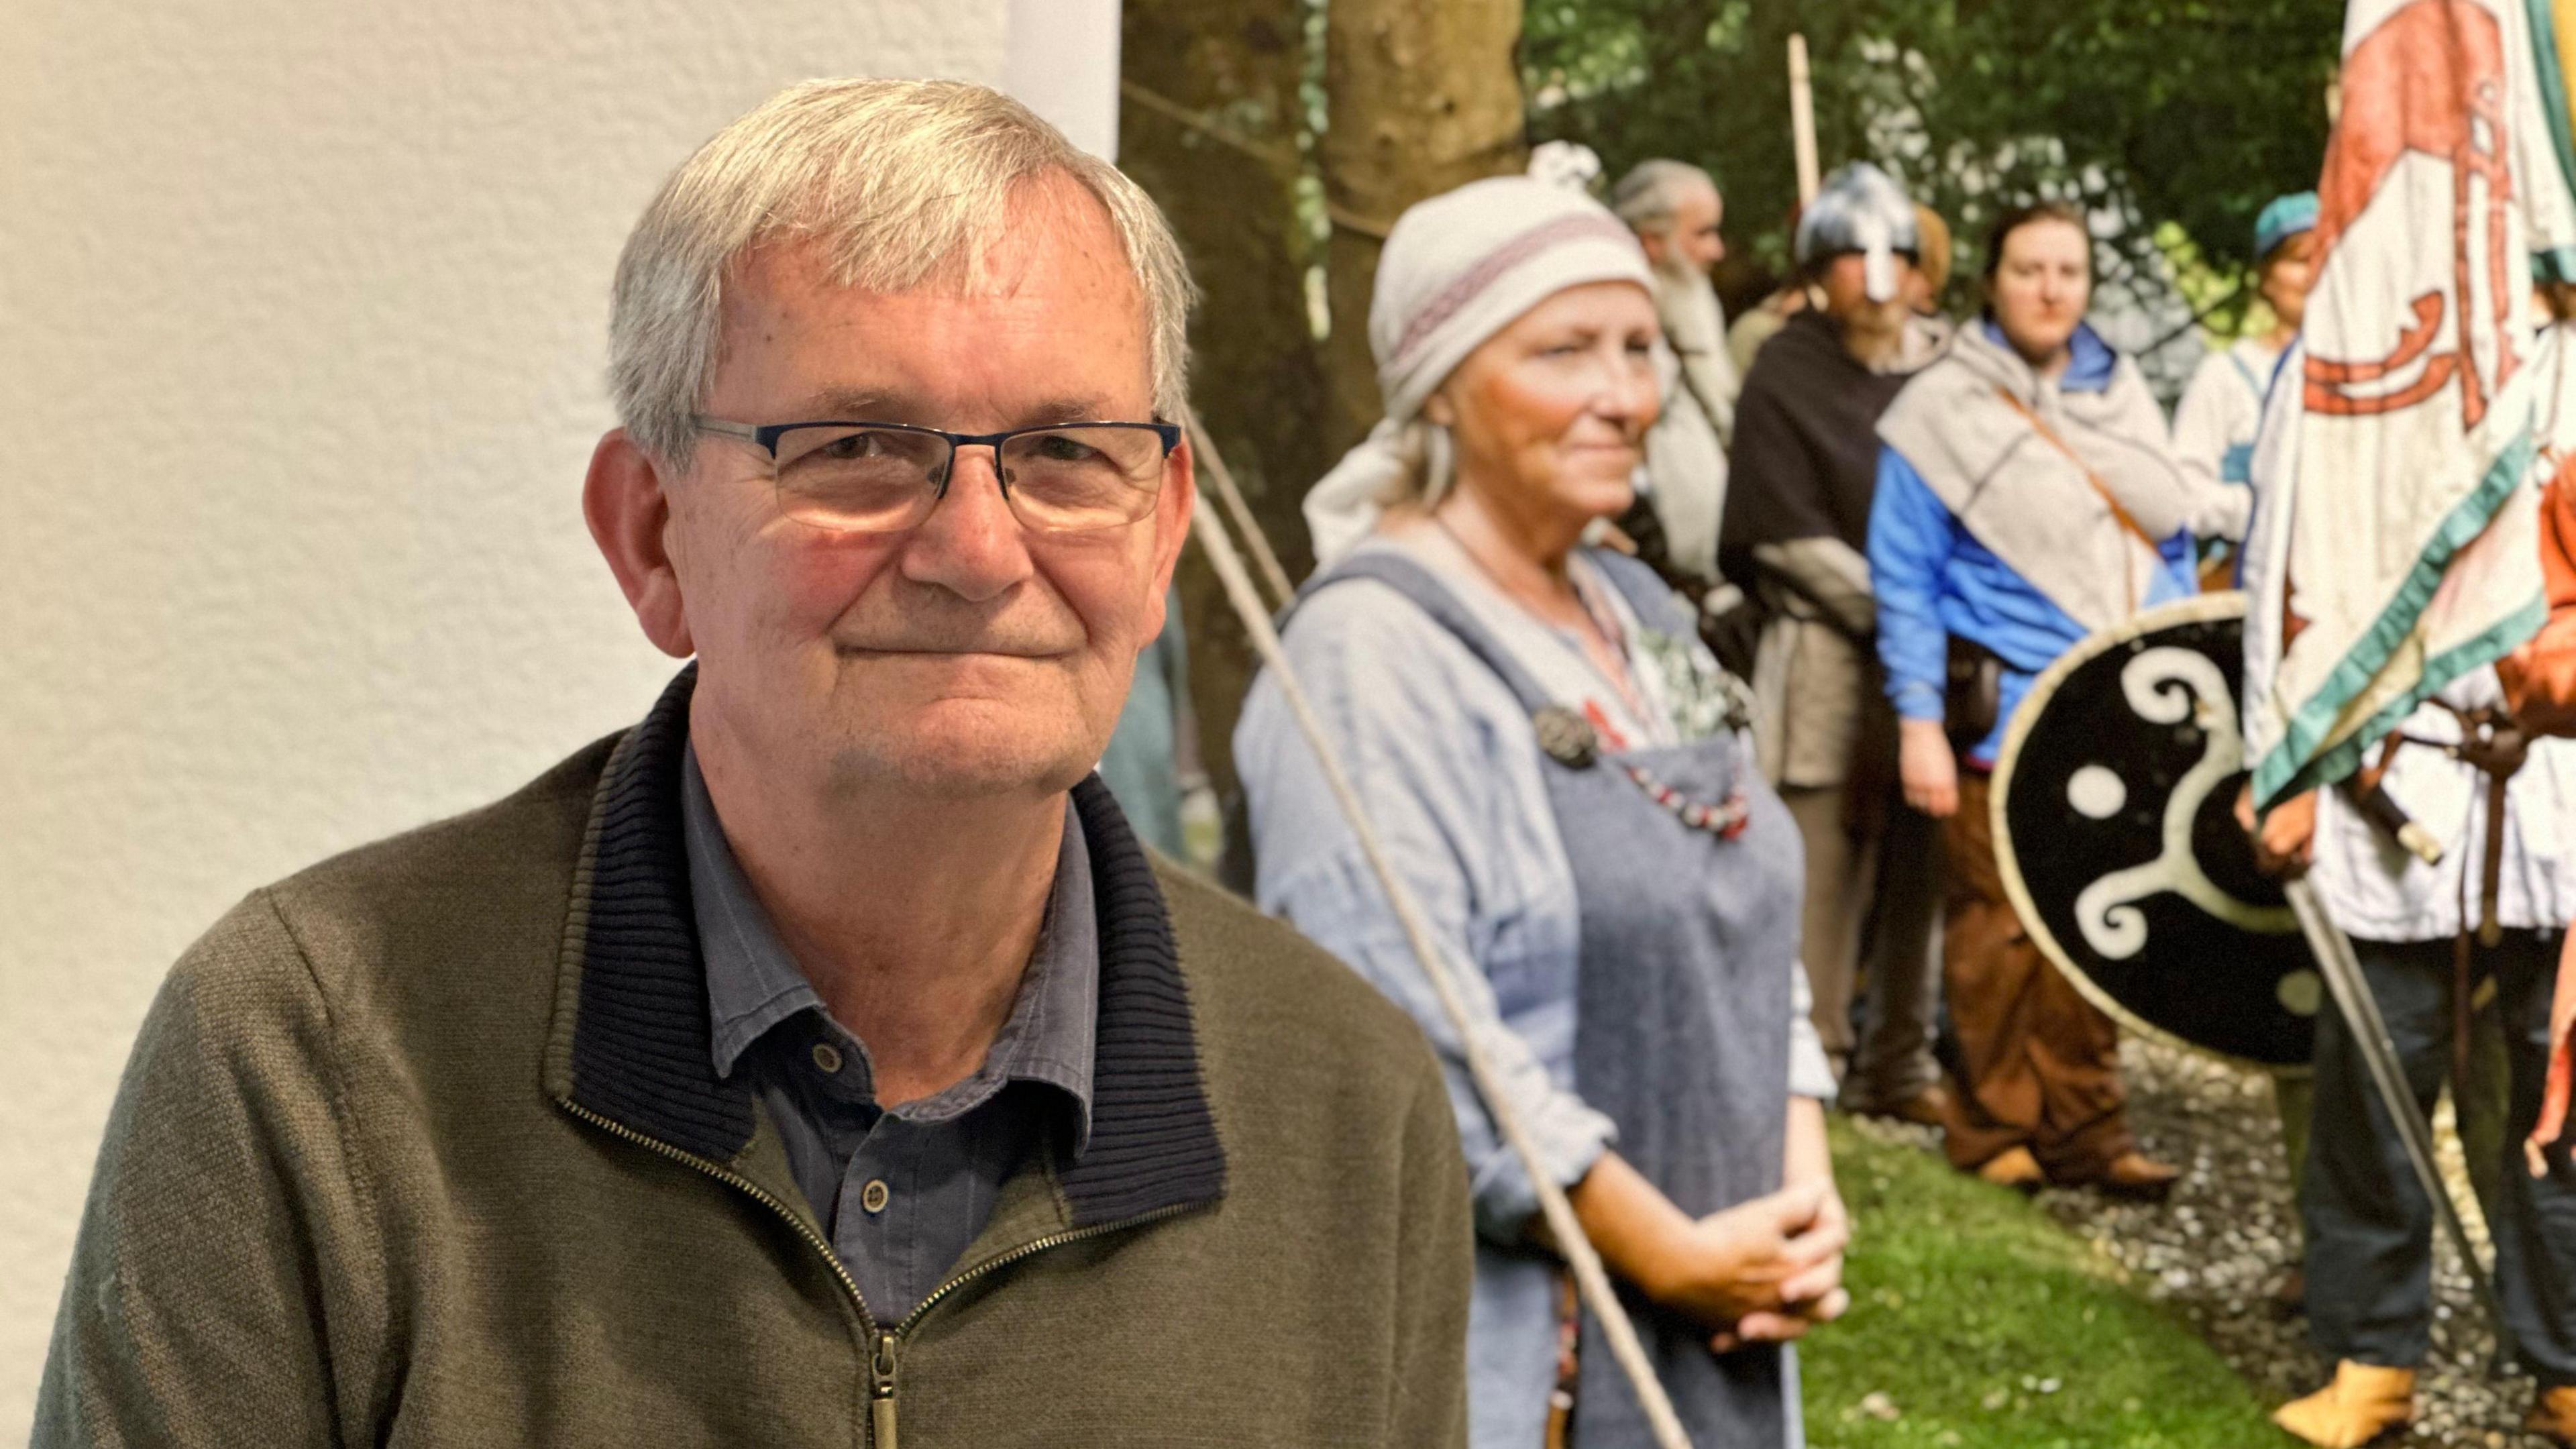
[[2027, 496]]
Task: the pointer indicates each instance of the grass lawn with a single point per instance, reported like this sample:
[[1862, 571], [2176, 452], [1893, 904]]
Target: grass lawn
[[1976, 1322]]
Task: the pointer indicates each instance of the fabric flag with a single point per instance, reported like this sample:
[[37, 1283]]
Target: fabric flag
[[2398, 539]]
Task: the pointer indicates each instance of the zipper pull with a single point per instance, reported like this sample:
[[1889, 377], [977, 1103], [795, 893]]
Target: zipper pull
[[881, 1395]]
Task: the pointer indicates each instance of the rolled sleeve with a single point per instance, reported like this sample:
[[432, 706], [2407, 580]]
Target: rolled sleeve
[[1341, 905], [1566, 1135]]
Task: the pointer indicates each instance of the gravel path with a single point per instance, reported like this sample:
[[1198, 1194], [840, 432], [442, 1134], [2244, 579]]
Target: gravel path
[[2215, 1251]]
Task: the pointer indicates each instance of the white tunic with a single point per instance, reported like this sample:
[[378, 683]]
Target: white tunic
[[2376, 890], [2221, 411]]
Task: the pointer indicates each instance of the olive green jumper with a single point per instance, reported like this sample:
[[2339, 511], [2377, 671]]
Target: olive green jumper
[[423, 1146]]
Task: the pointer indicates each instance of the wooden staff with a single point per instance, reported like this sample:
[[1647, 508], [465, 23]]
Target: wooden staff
[[1802, 119]]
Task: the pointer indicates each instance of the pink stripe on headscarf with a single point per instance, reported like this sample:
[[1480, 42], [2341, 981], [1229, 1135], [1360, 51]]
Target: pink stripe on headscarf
[[1463, 289]]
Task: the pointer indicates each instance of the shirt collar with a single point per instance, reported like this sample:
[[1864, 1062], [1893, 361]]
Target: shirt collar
[[753, 984]]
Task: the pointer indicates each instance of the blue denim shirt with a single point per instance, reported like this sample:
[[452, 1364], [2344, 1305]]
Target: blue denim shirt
[[901, 1191]]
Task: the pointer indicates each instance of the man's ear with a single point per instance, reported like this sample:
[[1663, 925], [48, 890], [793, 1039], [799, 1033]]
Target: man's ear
[[630, 520], [1172, 511]]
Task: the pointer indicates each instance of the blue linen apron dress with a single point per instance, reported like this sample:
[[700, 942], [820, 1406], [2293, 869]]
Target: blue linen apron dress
[[1682, 998]]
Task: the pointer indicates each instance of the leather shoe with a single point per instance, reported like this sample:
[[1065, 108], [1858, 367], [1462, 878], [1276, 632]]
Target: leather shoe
[[2014, 1168], [2138, 1176], [2364, 1402], [1924, 1108], [2553, 1415]]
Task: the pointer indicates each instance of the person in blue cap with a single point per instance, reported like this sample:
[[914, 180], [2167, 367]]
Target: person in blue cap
[[2213, 429]]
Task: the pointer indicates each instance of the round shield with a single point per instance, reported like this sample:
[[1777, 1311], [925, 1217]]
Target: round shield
[[2116, 836]]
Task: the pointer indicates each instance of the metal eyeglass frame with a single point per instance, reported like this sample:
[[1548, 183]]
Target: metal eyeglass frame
[[765, 436]]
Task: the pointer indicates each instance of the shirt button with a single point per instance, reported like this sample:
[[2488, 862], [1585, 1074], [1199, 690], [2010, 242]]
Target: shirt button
[[873, 1196], [827, 1057]]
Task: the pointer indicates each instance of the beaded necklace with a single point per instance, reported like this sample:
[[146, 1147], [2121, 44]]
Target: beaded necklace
[[1574, 741]]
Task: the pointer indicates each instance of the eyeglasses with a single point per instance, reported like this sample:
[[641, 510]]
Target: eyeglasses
[[855, 477]]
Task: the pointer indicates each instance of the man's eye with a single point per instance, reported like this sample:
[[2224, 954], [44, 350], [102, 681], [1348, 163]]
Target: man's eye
[[856, 445], [1057, 448]]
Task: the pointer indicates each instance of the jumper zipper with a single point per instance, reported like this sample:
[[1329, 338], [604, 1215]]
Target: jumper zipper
[[1040, 1245], [731, 1178], [881, 1393], [885, 1343], [881, 1405]]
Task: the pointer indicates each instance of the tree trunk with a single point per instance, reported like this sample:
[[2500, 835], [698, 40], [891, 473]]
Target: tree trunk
[[1421, 98], [1208, 126]]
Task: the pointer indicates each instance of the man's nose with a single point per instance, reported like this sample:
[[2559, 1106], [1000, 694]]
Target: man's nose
[[971, 545]]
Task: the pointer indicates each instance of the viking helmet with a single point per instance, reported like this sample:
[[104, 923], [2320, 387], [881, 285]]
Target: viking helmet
[[1859, 209]]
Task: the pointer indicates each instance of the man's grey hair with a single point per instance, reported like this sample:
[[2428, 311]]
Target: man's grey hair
[[1651, 193], [901, 183]]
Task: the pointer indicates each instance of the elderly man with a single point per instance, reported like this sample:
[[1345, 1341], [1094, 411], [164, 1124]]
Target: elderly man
[[1674, 209], [823, 1054]]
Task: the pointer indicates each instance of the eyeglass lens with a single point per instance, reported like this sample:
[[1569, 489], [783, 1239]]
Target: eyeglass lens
[[881, 480]]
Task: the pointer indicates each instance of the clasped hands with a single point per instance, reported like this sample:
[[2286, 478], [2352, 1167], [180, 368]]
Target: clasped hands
[[1762, 1271]]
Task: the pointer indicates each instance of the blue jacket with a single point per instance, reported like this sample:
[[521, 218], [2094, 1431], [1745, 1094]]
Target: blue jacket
[[1933, 580]]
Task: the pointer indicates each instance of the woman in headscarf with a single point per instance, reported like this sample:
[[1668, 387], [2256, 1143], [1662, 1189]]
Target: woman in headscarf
[[2027, 496], [1557, 768]]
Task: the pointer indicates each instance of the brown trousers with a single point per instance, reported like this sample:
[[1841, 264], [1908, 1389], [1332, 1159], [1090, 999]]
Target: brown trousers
[[2043, 1063]]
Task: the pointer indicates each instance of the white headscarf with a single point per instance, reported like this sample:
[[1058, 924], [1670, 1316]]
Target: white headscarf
[[1457, 269]]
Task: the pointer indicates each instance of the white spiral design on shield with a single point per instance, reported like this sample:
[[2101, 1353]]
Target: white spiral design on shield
[[2167, 685]]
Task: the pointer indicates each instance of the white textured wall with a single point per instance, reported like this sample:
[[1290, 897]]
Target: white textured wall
[[301, 318]]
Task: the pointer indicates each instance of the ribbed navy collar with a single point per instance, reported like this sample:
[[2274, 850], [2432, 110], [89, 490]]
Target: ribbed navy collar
[[642, 1052]]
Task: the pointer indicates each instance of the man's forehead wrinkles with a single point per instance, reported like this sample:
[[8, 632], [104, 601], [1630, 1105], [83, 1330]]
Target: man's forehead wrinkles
[[904, 405], [856, 403]]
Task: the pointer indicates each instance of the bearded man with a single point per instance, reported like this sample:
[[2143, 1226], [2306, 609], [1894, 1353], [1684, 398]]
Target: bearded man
[[1797, 526], [1675, 210]]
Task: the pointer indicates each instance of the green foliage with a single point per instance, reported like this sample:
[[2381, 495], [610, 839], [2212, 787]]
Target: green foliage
[[2189, 112], [1977, 1323]]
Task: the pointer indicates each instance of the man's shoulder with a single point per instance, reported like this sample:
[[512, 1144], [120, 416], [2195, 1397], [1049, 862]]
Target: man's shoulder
[[535, 821], [1257, 985], [500, 870], [444, 933], [1784, 354]]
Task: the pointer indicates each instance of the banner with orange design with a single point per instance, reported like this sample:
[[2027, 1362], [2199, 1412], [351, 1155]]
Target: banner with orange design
[[2396, 544]]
